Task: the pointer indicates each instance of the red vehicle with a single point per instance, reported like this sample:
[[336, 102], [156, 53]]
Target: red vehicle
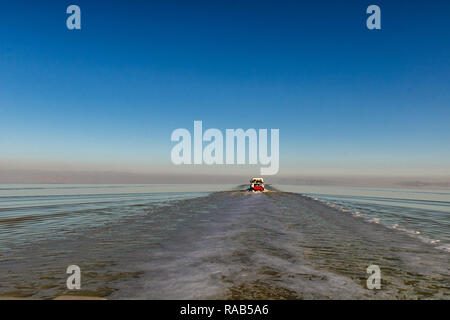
[[257, 184]]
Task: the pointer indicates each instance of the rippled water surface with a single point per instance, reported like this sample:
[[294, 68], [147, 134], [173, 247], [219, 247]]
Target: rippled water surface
[[166, 241], [422, 213]]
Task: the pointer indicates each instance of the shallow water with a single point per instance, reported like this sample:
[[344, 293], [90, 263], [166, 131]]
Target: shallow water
[[424, 214], [30, 213], [233, 244]]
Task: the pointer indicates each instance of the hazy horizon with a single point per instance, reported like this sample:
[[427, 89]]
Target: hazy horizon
[[115, 177]]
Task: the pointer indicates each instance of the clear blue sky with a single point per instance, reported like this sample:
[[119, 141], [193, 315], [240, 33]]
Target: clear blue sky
[[344, 97]]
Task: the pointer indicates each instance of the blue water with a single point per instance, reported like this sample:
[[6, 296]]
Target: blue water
[[424, 214], [30, 213]]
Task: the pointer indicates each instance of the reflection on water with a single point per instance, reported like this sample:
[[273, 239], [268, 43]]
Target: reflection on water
[[185, 242]]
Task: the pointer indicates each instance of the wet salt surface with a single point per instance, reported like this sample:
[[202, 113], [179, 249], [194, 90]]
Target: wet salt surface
[[235, 245], [286, 246]]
